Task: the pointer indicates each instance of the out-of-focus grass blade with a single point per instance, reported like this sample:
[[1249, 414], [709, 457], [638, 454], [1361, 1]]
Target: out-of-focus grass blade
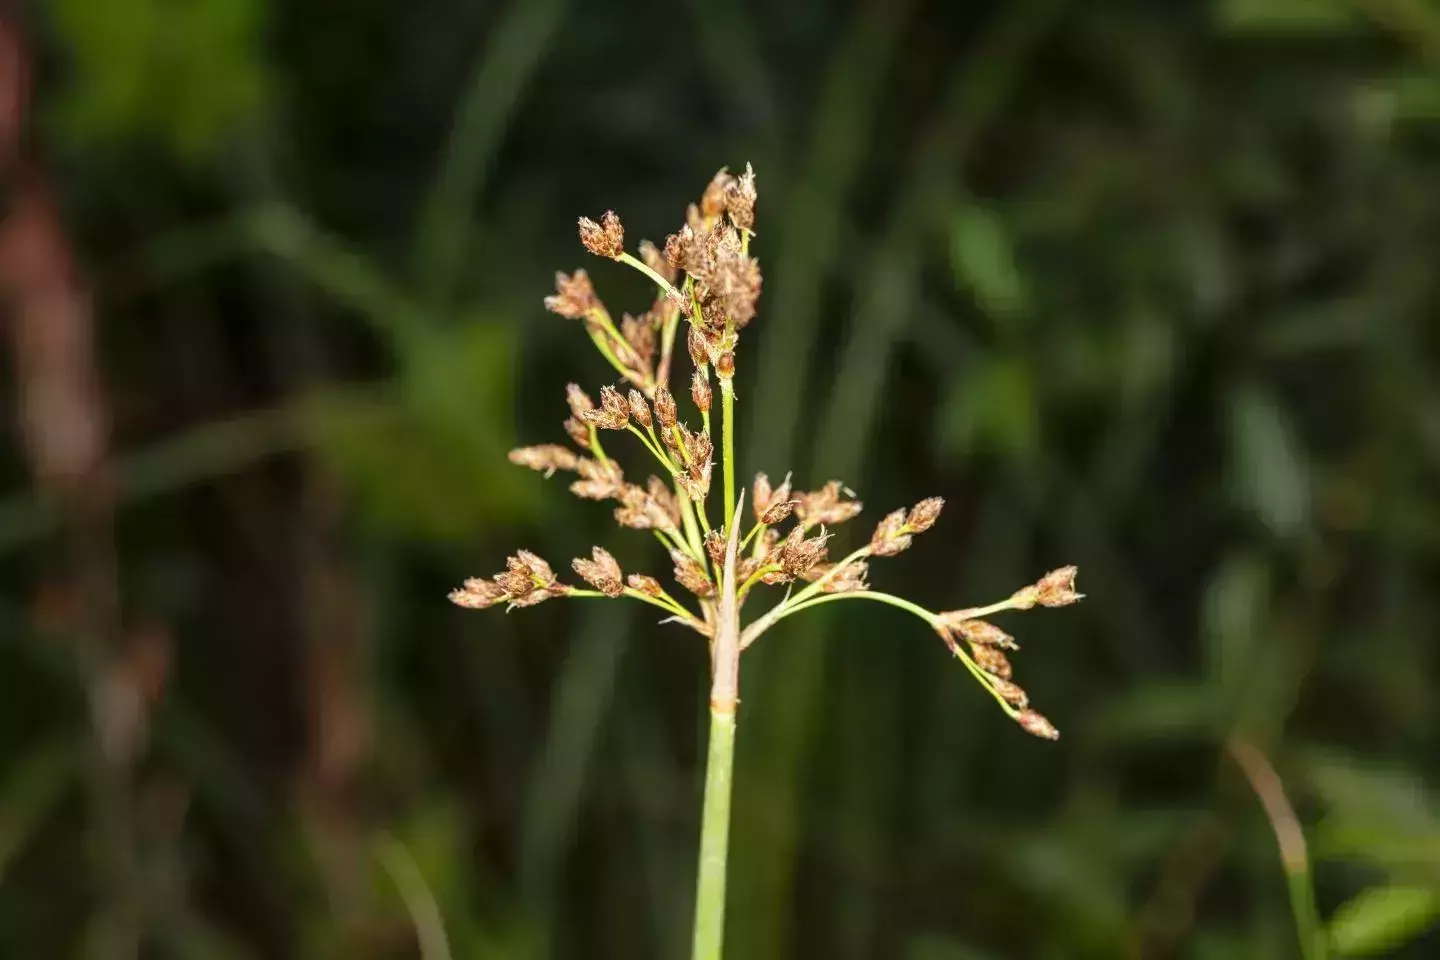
[[1383, 918], [511, 55], [28, 794]]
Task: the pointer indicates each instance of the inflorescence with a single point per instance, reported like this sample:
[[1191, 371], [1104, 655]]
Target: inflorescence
[[714, 302]]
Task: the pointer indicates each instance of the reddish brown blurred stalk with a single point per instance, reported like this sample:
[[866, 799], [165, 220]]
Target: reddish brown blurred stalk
[[64, 427]]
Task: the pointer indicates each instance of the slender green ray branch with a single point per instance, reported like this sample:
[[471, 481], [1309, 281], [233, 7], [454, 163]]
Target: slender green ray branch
[[727, 415], [644, 268]]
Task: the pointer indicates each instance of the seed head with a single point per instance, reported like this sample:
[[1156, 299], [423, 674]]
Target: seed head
[[827, 505], [700, 391], [604, 239], [725, 365], [639, 334], [545, 458], [644, 584], [579, 400], [639, 409], [665, 408], [715, 547], [760, 492], [890, 537], [477, 594], [777, 511], [924, 514], [578, 433], [991, 660], [696, 482], [690, 575], [798, 554], [712, 201], [981, 632], [740, 199], [602, 573], [574, 296], [614, 412], [1033, 722], [699, 350], [1057, 588], [664, 499], [1012, 692]]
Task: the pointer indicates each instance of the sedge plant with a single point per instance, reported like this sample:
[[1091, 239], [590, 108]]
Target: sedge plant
[[708, 287]]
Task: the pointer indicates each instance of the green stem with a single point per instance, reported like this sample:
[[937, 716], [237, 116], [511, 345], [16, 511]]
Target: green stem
[[727, 416], [644, 268], [714, 839], [655, 451]]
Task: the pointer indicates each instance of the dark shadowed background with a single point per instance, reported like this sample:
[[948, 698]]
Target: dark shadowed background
[[1150, 288]]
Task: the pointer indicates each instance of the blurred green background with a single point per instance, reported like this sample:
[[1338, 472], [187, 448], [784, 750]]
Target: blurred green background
[[1146, 287]]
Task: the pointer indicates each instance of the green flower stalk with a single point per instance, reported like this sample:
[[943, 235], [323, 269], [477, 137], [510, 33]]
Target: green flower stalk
[[721, 566]]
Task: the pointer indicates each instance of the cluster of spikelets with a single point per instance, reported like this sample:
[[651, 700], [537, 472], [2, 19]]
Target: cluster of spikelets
[[715, 301]]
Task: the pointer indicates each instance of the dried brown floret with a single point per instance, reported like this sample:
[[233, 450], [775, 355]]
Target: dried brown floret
[[740, 196], [664, 499], [538, 568], [578, 433], [593, 489], [890, 537], [641, 583], [696, 481], [698, 346], [698, 449], [477, 594], [607, 471], [715, 547], [1012, 692], [725, 365], [827, 505], [777, 511], [847, 579], [602, 573], [574, 295], [579, 400], [534, 596], [604, 239], [546, 458], [639, 409], [613, 414], [924, 514], [1057, 588], [690, 575], [798, 554], [700, 391], [978, 631], [712, 201], [639, 334], [1035, 723], [991, 660], [665, 410]]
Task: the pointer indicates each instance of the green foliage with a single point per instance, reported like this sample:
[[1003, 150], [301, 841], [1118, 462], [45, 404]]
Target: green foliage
[[184, 73], [1383, 918]]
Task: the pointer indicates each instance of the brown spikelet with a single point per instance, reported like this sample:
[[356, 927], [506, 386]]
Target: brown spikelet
[[579, 400], [924, 514], [664, 499], [991, 660], [760, 493], [574, 296], [477, 594], [1012, 692], [613, 413], [545, 458], [698, 347], [1034, 723], [578, 433], [690, 575], [604, 239], [715, 547], [740, 196], [778, 511], [712, 201], [639, 334], [828, 505], [979, 631], [725, 365], [700, 391], [890, 537], [798, 554], [665, 410], [1057, 588], [642, 583], [538, 568], [602, 572], [639, 409]]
